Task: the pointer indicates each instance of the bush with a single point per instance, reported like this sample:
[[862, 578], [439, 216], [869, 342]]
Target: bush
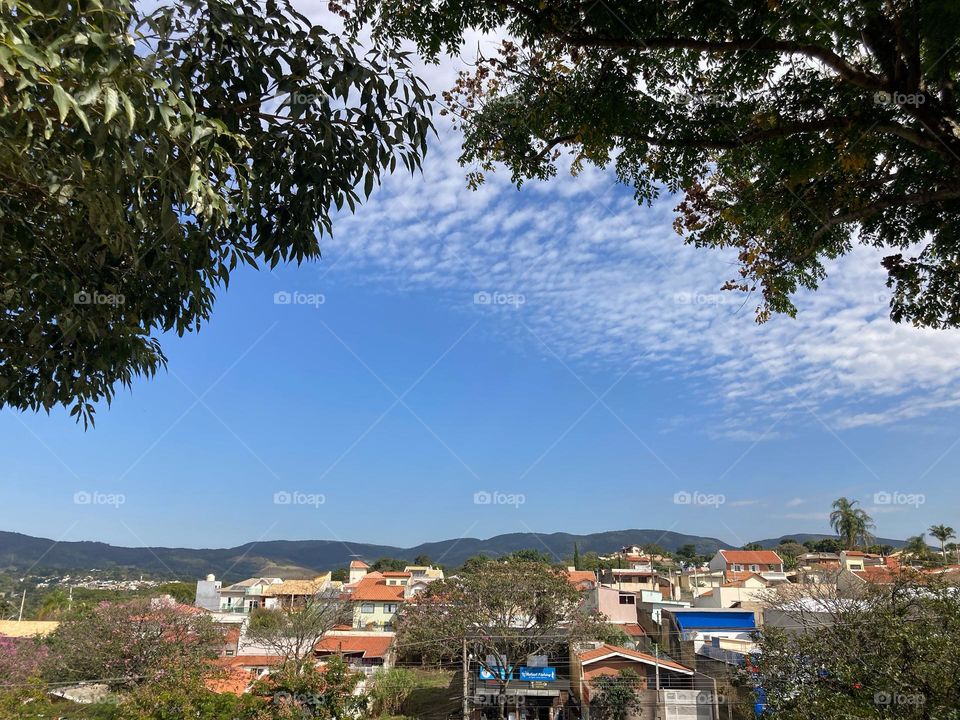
[[390, 688]]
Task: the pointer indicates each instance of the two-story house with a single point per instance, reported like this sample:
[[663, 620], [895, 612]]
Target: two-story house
[[737, 564], [375, 600]]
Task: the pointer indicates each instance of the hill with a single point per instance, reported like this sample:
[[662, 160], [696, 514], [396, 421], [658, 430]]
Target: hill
[[20, 552]]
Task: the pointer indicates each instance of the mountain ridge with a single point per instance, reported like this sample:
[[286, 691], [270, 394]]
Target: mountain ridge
[[20, 552]]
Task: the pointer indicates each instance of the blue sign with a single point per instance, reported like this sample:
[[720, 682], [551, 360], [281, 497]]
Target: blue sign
[[487, 675], [538, 674]]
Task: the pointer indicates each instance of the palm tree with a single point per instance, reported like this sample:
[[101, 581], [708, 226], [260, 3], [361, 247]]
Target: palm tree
[[852, 524], [917, 547], [942, 533], [53, 605]]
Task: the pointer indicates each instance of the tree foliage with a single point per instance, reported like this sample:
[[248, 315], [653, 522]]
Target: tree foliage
[[293, 632], [131, 644], [887, 653], [852, 524], [505, 610], [144, 156], [615, 697], [793, 130], [307, 692]]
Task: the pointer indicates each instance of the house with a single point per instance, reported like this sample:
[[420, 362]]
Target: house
[[424, 572], [583, 580], [666, 688], [696, 580], [685, 631], [854, 560], [208, 593], [364, 651], [293, 593], [734, 563], [246, 595], [397, 577], [375, 602], [358, 568], [817, 568], [748, 592], [851, 582], [256, 665], [637, 580]]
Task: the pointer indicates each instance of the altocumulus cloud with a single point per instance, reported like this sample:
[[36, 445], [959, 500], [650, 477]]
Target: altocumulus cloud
[[608, 282]]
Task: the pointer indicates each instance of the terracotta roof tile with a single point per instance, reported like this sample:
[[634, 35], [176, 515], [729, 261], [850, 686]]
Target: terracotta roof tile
[[376, 589], [751, 557], [589, 656], [370, 647], [234, 681]]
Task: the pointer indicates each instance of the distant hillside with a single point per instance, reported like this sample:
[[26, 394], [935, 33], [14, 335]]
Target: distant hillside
[[21, 552], [803, 537]]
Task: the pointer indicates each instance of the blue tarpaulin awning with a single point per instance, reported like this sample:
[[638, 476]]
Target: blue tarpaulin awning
[[707, 620]]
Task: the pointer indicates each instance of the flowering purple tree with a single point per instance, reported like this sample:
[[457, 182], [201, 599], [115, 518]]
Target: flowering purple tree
[[20, 660]]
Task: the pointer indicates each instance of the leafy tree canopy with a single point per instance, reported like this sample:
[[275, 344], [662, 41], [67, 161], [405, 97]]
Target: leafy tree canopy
[[143, 156], [887, 653], [794, 130]]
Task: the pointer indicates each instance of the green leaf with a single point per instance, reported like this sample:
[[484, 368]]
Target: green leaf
[[128, 108], [109, 104], [63, 101]]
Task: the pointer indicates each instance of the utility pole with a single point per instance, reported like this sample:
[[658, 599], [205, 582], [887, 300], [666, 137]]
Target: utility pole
[[22, 601], [466, 681]]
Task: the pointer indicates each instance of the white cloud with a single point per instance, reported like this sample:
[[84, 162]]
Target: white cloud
[[608, 283]]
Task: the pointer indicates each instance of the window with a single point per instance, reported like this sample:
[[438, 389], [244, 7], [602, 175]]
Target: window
[[628, 599], [390, 608], [229, 653], [366, 608], [738, 568], [754, 568]]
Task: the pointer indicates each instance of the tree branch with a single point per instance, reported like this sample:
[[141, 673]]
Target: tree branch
[[885, 203], [763, 44]]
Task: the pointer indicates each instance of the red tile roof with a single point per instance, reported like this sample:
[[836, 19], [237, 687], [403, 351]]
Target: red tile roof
[[751, 557], [234, 680], [251, 661], [376, 588], [876, 574], [632, 629], [358, 564], [605, 650], [370, 647], [578, 577]]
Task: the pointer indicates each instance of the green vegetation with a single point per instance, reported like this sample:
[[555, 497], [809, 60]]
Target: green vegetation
[[149, 151], [615, 696], [794, 130], [852, 524], [891, 653]]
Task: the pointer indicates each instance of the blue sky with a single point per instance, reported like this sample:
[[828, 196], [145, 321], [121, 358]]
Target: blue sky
[[612, 376]]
